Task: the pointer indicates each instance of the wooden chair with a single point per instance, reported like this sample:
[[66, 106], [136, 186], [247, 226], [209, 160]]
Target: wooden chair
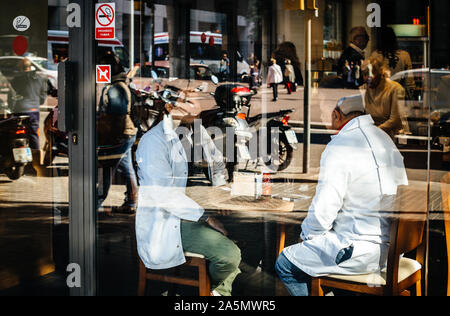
[[445, 188], [401, 273], [171, 275]]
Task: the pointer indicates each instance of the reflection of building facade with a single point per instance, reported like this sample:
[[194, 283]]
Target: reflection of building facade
[[178, 34], [330, 28]]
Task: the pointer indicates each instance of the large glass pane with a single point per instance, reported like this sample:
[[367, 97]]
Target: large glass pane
[[217, 62], [34, 224]]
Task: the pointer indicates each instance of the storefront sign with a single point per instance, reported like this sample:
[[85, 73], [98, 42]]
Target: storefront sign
[[103, 74], [105, 21], [21, 23]]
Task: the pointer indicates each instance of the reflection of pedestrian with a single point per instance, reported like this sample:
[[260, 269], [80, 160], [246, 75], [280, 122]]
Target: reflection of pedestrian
[[168, 222], [274, 78], [116, 134], [289, 76], [29, 91], [288, 51], [345, 231], [224, 67], [254, 72], [349, 64], [381, 99]]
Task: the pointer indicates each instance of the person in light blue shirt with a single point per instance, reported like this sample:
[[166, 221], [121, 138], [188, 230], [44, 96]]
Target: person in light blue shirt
[[168, 222]]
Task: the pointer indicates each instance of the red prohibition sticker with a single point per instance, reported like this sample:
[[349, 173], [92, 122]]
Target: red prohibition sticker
[[20, 45], [105, 21], [103, 74]]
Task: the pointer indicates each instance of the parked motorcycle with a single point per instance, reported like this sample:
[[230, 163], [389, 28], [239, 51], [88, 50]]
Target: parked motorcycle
[[146, 112], [15, 152], [234, 102]]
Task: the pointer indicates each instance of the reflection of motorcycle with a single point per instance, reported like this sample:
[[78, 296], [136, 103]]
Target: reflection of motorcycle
[[241, 136], [15, 152], [234, 102], [145, 114]]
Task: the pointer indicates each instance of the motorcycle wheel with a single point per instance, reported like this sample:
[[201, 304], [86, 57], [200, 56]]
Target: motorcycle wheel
[[284, 157], [15, 172]]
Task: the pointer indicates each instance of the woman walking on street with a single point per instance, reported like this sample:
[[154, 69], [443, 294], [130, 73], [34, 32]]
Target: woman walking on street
[[274, 77], [287, 50], [289, 76]]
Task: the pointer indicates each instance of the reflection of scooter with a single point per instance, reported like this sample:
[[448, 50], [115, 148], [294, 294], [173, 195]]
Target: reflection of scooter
[[145, 112], [15, 152], [234, 100]]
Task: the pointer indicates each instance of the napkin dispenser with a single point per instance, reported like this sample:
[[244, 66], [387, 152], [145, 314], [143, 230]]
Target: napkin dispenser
[[247, 184]]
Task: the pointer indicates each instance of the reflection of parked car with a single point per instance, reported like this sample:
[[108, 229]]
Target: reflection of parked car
[[199, 76], [10, 67], [428, 101], [415, 107]]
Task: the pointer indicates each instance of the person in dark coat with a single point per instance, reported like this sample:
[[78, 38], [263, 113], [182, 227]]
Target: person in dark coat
[[116, 136], [29, 92], [349, 65]]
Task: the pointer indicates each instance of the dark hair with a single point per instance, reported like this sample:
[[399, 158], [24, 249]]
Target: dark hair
[[387, 45], [113, 60], [287, 50]]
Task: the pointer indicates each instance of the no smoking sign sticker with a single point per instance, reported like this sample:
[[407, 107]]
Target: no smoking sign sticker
[[105, 21]]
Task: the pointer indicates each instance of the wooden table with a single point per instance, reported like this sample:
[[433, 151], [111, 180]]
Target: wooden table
[[220, 199]]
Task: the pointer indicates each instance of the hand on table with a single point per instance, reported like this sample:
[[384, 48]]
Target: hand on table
[[224, 212], [217, 225]]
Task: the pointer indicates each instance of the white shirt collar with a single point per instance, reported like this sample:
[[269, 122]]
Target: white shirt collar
[[357, 122]]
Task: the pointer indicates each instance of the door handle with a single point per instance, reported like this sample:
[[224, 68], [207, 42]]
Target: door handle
[[65, 96]]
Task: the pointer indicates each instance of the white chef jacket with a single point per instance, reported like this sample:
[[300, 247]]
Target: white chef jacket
[[360, 171], [163, 173]]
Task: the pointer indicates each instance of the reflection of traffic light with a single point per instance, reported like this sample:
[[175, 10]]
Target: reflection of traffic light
[[312, 4], [294, 4], [300, 4]]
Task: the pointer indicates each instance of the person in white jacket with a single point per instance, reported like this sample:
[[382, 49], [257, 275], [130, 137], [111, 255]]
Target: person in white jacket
[[274, 78], [346, 231], [168, 222]]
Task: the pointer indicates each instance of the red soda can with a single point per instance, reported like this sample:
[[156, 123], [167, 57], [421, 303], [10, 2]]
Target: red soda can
[[267, 185]]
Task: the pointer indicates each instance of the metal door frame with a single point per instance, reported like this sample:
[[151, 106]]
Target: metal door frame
[[82, 151]]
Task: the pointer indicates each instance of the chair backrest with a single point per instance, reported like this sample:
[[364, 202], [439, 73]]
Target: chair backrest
[[406, 235], [409, 234]]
